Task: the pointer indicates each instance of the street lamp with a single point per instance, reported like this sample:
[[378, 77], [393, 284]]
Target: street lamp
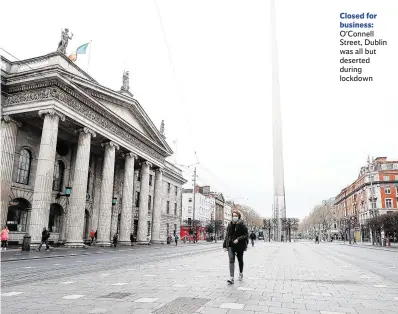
[[68, 191], [114, 200]]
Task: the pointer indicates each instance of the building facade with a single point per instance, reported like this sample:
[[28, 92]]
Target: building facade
[[77, 156], [374, 192], [204, 206]]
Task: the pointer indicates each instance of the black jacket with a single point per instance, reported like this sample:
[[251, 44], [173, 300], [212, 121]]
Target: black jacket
[[45, 235], [240, 233]]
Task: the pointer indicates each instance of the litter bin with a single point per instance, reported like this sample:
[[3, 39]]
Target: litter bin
[[26, 242]]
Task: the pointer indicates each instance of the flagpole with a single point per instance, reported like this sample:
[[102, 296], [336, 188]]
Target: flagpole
[[89, 53]]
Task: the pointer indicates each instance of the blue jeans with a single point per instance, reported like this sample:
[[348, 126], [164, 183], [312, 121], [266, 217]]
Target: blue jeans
[[41, 244]]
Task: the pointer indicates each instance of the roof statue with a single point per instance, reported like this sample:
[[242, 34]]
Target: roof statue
[[126, 81], [63, 43], [162, 129]]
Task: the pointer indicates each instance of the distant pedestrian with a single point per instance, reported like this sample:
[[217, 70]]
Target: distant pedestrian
[[317, 239], [235, 243], [4, 238], [176, 239], [115, 238], [95, 236], [252, 237], [92, 235], [45, 235], [132, 239]]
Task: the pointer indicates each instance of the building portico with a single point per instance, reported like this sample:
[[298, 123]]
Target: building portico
[[60, 129]]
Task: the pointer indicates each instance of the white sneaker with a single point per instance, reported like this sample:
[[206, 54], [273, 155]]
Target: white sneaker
[[231, 280]]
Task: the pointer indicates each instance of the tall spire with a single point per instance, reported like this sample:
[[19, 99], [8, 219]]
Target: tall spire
[[279, 206]]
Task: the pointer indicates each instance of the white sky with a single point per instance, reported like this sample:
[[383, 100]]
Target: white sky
[[218, 103]]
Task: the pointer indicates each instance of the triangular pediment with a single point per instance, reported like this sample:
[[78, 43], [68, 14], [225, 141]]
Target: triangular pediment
[[126, 115], [126, 108]]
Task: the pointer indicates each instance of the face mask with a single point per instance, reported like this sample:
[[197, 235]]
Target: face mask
[[235, 219]]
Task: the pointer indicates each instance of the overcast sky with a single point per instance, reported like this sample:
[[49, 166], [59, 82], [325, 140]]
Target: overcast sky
[[215, 95]]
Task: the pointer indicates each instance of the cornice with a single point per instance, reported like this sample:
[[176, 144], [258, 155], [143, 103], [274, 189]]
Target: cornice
[[54, 89]]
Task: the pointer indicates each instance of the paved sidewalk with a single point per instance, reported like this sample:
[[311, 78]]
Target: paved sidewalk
[[16, 254], [282, 278], [393, 246]]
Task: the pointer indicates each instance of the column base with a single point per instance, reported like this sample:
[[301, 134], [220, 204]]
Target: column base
[[125, 243], [74, 244], [156, 242], [143, 243], [103, 243]]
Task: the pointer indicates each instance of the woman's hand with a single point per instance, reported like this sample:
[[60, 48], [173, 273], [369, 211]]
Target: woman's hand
[[236, 241]]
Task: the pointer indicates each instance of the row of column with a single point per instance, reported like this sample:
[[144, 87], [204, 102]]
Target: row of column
[[42, 194]]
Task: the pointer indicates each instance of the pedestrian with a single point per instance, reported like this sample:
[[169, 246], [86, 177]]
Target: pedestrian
[[132, 239], [176, 239], [4, 238], [115, 237], [252, 237], [95, 236], [45, 235], [235, 243], [92, 235]]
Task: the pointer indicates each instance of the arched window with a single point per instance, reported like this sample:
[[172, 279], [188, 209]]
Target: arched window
[[17, 216], [24, 166], [59, 168]]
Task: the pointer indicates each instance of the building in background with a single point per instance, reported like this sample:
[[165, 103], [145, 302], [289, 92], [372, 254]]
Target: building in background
[[374, 192], [228, 208]]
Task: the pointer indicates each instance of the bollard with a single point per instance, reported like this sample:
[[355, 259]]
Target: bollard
[[26, 242]]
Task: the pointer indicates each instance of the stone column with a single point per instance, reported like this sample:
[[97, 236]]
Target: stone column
[[77, 203], [115, 208], [9, 131], [157, 207], [97, 193], [42, 192], [127, 200], [142, 231], [105, 209]]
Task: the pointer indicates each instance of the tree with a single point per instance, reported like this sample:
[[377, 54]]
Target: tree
[[268, 226], [210, 228]]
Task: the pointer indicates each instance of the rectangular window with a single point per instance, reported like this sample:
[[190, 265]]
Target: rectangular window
[[175, 227], [189, 209], [168, 207], [149, 202], [137, 199], [387, 190], [388, 203], [150, 180], [175, 209], [373, 204], [139, 175], [167, 229], [176, 190], [396, 177], [168, 187], [149, 228], [386, 178], [190, 200]]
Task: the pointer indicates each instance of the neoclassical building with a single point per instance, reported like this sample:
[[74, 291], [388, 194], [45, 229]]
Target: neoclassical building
[[77, 156]]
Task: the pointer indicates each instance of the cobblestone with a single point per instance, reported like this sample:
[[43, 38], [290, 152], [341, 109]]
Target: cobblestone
[[293, 278]]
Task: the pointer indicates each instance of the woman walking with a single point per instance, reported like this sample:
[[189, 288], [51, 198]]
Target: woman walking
[[4, 238], [235, 243]]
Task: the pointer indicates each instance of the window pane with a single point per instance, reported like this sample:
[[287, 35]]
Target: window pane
[[23, 167]]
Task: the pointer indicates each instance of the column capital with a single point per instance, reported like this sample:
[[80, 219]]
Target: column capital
[[111, 144], [86, 130], [7, 118], [52, 112], [130, 155], [160, 170], [147, 163]]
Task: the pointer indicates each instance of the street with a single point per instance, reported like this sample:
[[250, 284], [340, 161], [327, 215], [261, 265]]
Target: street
[[298, 277]]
